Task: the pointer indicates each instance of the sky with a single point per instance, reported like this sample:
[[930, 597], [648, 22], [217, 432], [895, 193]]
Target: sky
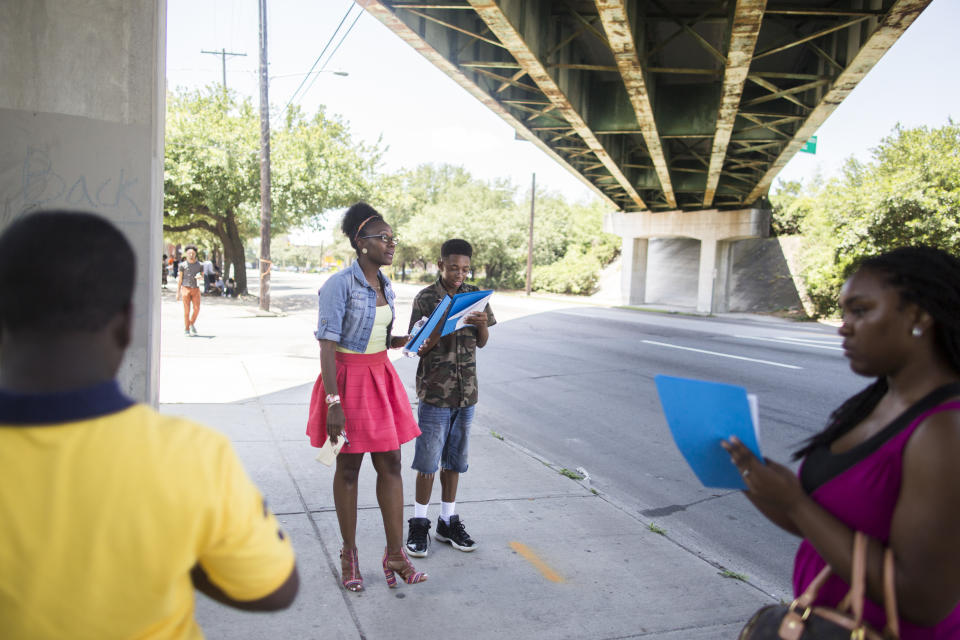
[[420, 115]]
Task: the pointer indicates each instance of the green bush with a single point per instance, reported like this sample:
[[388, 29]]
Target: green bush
[[908, 194], [576, 273]]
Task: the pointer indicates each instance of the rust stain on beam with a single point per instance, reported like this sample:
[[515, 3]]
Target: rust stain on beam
[[900, 16], [613, 15], [747, 17], [381, 12], [498, 23]]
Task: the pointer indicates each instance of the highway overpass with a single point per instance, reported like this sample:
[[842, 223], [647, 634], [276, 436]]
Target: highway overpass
[[687, 108], [678, 113]]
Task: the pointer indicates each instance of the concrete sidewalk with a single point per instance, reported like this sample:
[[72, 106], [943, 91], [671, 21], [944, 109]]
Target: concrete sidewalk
[[555, 559]]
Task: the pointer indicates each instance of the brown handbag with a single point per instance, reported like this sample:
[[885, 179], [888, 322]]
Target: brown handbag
[[801, 621]]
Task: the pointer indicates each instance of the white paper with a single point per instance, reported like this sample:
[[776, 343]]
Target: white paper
[[755, 416], [328, 452]]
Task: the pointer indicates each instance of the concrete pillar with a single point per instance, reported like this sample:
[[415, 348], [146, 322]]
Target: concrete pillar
[[82, 94], [707, 275], [633, 274], [716, 230], [721, 285]]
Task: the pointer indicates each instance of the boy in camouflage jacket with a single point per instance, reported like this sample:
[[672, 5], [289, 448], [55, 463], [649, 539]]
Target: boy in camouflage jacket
[[447, 389]]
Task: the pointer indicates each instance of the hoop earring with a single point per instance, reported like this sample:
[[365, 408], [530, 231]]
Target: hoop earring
[[916, 332], [364, 250]]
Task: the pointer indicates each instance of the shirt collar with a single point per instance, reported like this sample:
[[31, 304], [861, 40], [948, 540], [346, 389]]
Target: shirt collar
[[361, 277], [359, 274], [63, 406], [442, 290]]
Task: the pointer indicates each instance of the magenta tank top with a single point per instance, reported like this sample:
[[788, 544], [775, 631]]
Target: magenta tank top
[[864, 496]]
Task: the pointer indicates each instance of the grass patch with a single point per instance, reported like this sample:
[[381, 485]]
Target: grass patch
[[573, 475], [655, 529], [733, 575], [496, 435], [594, 492]]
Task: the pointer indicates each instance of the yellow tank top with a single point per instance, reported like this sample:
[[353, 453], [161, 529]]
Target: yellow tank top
[[378, 335]]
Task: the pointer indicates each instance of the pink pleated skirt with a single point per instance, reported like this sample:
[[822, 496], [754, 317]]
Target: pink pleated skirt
[[375, 405]]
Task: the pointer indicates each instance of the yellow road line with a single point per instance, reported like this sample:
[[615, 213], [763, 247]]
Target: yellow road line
[[533, 559]]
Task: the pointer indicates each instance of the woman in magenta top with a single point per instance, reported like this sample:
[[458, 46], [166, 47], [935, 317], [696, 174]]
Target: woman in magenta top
[[888, 463]]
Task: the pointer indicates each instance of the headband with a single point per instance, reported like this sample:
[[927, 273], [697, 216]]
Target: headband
[[376, 215]]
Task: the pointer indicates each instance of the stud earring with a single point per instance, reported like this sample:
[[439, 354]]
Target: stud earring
[[364, 250], [916, 332]]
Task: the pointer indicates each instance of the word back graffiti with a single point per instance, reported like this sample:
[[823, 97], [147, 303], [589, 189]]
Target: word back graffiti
[[41, 185]]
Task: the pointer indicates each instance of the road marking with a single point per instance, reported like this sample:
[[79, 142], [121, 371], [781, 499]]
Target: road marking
[[533, 559], [723, 355], [800, 342]]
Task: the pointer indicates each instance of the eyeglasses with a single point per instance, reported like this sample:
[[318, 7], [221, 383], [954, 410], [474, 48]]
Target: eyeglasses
[[385, 238]]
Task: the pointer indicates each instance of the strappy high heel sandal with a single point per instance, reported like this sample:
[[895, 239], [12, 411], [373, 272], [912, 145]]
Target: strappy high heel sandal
[[350, 570], [400, 564]]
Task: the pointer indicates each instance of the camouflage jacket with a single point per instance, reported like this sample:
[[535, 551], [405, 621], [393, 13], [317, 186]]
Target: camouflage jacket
[[447, 374]]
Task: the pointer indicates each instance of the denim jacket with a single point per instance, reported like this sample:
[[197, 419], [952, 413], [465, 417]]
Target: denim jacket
[[348, 306]]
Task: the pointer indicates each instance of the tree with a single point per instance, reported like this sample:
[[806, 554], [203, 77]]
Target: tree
[[212, 170], [791, 205], [407, 193], [432, 203], [908, 194], [483, 213]]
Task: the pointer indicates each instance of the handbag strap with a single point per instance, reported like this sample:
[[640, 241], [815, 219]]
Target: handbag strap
[[858, 576], [890, 593], [853, 601]]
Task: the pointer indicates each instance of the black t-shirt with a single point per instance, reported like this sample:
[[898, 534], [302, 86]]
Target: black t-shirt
[[190, 271]]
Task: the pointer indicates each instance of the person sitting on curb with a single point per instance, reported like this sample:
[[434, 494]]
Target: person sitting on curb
[[447, 389], [112, 512]]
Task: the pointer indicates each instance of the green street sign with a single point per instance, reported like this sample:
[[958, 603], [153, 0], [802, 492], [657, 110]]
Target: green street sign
[[810, 146]]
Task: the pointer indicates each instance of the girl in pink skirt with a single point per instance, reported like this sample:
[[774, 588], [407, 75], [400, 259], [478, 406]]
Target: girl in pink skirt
[[359, 392]]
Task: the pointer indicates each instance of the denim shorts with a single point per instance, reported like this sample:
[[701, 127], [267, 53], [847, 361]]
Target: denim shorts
[[443, 440]]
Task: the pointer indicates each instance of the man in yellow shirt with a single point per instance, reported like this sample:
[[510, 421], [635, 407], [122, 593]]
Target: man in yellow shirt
[[111, 514]]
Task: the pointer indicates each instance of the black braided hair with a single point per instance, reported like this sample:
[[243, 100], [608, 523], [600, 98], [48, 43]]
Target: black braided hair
[[354, 217], [926, 277]]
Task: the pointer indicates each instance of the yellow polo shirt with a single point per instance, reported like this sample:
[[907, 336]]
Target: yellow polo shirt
[[106, 505]]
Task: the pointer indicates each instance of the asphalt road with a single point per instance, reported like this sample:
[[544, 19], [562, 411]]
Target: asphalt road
[[574, 384]]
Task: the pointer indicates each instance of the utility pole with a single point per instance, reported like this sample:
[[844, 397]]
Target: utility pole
[[533, 199], [265, 208], [223, 53]]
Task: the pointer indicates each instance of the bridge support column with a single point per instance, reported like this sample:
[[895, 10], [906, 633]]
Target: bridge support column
[[82, 95], [713, 293], [633, 276], [708, 275], [716, 231]]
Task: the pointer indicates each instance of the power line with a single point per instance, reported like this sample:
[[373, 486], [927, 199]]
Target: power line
[[333, 53], [317, 61]]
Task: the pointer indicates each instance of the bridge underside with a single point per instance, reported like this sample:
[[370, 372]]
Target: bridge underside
[[658, 104]]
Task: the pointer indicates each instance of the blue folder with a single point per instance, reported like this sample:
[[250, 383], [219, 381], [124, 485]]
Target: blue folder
[[463, 305], [421, 335], [701, 414]]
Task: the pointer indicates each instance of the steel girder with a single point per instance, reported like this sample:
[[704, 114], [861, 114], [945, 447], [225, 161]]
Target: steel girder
[[658, 104]]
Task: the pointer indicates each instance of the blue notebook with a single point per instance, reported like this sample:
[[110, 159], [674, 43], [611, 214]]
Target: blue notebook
[[701, 414]]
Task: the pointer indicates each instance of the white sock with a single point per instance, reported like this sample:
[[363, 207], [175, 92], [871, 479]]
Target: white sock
[[447, 509], [420, 510]]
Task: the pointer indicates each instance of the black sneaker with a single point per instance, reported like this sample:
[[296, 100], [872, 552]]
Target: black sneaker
[[454, 533], [417, 538]]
